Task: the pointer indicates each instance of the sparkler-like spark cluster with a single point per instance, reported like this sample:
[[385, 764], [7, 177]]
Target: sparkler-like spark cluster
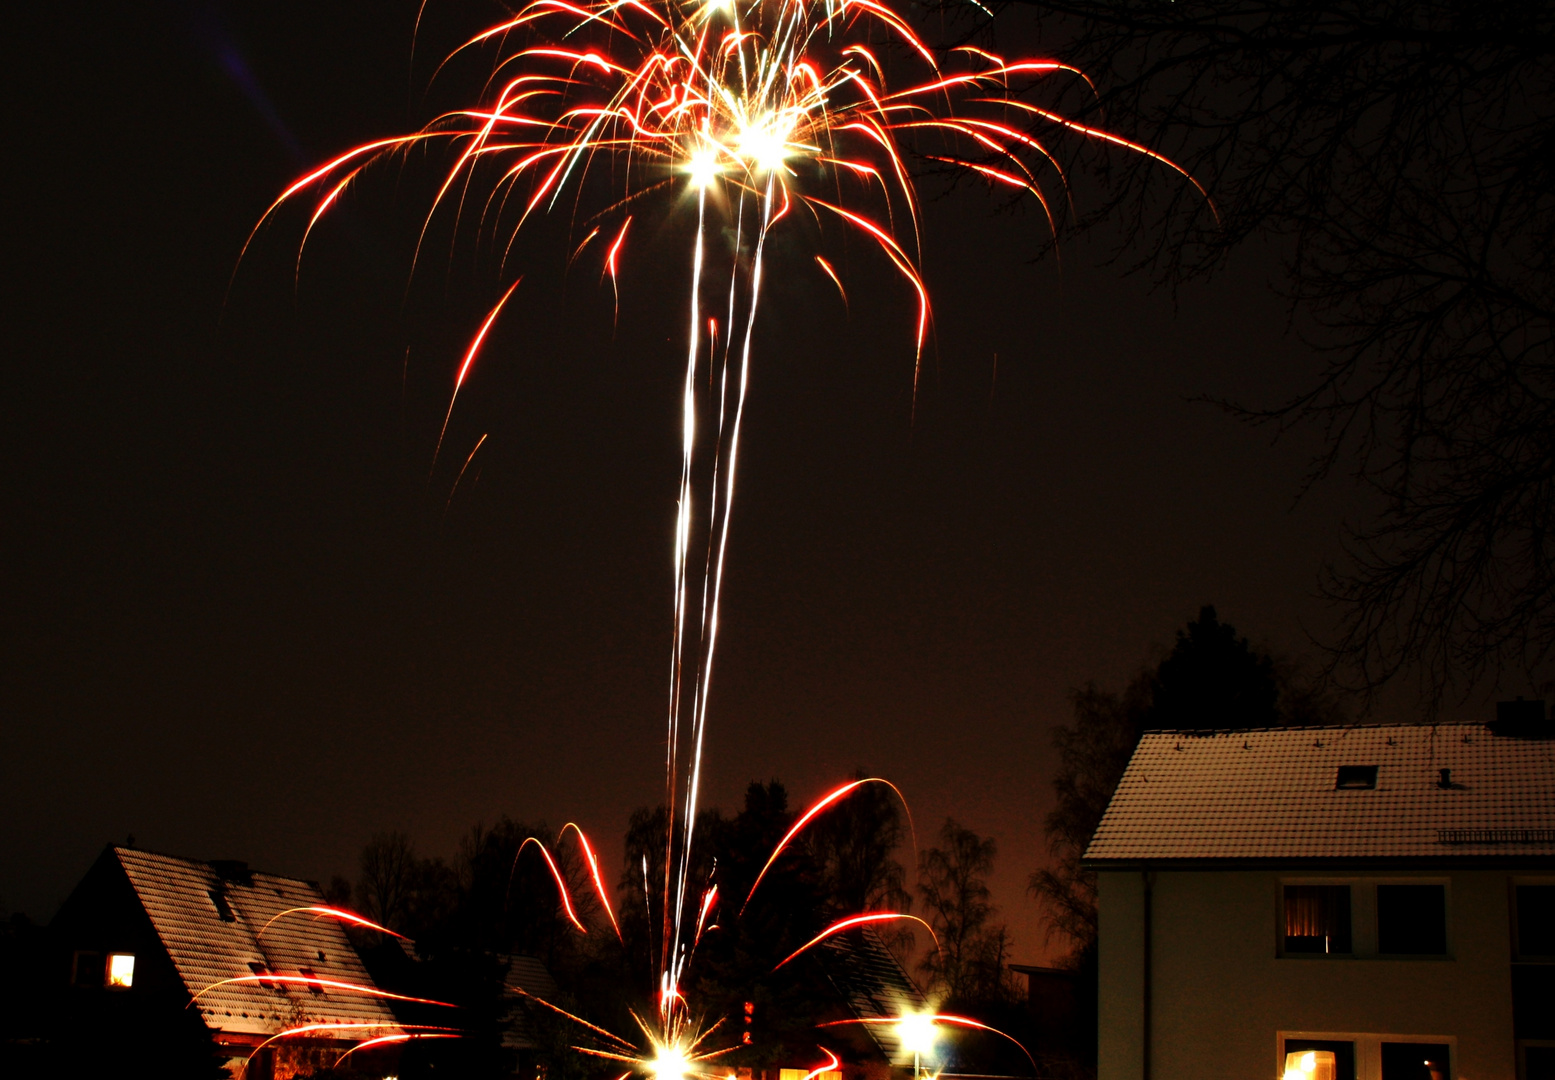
[[741, 115]]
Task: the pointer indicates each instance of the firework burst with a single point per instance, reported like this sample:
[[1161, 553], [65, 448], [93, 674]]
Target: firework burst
[[741, 116]]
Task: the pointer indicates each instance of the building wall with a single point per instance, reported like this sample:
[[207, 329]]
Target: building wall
[[1120, 991], [1222, 995]]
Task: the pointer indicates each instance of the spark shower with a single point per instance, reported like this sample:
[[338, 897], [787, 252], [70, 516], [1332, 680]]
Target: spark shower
[[742, 116]]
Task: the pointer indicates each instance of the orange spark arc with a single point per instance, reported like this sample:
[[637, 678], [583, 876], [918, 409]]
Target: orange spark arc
[[469, 359], [809, 815], [599, 881], [556, 875], [844, 925], [334, 913]]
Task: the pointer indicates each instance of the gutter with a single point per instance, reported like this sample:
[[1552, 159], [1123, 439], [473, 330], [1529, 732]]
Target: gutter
[[1445, 861]]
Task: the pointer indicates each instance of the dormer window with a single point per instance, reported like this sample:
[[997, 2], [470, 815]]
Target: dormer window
[[1356, 778], [223, 909]]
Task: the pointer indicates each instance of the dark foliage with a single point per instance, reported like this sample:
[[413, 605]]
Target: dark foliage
[[498, 897], [1402, 153], [968, 966]]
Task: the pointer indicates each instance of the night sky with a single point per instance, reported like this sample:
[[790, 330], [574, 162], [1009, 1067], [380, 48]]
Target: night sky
[[243, 620]]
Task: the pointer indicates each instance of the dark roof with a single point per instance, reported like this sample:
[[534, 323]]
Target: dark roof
[[527, 974], [206, 948], [1272, 794], [871, 982]]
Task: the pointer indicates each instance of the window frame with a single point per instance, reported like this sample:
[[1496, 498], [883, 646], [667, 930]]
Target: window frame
[[1376, 918], [1280, 936], [1364, 925], [1514, 918], [1368, 1047], [99, 964]]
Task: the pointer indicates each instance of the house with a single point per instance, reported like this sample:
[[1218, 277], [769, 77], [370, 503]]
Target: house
[[870, 989], [146, 941], [1341, 903], [523, 979]]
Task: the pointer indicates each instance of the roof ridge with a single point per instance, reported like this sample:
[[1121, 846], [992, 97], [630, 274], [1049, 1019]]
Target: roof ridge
[[1416, 724], [206, 864]]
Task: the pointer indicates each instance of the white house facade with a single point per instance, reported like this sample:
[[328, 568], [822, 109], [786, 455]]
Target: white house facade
[[1359, 903]]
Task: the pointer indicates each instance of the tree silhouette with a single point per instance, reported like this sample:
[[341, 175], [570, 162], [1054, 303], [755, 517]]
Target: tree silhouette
[[968, 965], [1402, 154], [1212, 679]]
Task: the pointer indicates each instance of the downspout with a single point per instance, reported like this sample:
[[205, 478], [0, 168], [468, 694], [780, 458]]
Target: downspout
[[1149, 880]]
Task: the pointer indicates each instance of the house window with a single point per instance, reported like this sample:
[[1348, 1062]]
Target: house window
[[1317, 919], [1356, 778], [1539, 1062], [1412, 920], [1329, 1059], [121, 970], [1535, 920], [1416, 1061], [86, 969]]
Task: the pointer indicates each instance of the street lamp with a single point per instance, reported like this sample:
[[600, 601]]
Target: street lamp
[[918, 1033]]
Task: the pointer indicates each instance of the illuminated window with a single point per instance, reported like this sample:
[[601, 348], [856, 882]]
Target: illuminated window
[[1317, 919], [1309, 1065], [121, 970], [1319, 1059]]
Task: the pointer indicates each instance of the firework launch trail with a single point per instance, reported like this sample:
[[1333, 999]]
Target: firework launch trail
[[742, 116]]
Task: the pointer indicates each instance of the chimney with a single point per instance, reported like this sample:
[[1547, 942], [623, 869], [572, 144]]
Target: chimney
[[233, 870], [1522, 720]]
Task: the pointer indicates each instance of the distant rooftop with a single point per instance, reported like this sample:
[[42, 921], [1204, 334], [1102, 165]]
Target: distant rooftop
[[1417, 791], [209, 917], [872, 983]]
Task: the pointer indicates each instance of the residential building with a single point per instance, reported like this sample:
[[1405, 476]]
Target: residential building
[[150, 946], [1338, 903]]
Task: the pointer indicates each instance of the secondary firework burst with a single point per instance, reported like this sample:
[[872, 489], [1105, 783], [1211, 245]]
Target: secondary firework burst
[[740, 117]]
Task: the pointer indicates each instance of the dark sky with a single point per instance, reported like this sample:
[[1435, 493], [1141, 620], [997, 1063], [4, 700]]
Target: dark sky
[[240, 620]]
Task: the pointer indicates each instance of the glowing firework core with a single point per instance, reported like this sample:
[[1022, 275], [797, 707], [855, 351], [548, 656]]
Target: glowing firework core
[[670, 1063], [703, 166]]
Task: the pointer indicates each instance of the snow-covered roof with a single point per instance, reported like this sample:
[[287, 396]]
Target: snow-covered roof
[[208, 944], [1275, 794]]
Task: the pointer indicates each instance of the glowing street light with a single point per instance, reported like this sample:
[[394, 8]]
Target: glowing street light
[[918, 1033]]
